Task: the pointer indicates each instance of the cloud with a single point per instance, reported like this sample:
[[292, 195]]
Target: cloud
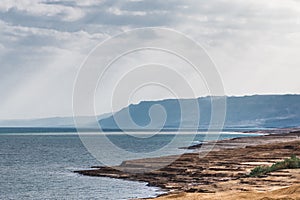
[[38, 68], [254, 43], [42, 8]]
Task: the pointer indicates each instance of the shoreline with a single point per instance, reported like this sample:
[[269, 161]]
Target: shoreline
[[224, 168]]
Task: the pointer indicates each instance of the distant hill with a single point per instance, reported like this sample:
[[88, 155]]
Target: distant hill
[[247, 112], [44, 122], [258, 111], [57, 122]]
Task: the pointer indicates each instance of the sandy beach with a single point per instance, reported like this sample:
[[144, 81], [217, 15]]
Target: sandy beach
[[220, 173], [288, 193]]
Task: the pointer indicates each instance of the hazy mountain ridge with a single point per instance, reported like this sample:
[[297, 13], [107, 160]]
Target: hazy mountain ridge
[[258, 111], [57, 122]]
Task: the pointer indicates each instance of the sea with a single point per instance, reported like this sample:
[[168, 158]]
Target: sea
[[41, 165]]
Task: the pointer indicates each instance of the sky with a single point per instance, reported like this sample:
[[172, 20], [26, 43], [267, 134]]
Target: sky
[[254, 44]]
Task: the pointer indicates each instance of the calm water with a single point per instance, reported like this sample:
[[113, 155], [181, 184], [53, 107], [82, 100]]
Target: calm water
[[40, 166]]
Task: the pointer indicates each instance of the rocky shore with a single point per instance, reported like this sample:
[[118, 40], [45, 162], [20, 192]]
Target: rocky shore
[[223, 169]]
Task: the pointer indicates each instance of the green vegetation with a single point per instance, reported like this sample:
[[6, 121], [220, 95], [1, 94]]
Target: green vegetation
[[290, 163]]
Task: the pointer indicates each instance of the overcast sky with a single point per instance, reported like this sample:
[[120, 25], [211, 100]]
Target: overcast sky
[[255, 44]]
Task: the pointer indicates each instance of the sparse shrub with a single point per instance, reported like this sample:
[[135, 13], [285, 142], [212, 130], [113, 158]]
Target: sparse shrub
[[290, 163], [258, 171]]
